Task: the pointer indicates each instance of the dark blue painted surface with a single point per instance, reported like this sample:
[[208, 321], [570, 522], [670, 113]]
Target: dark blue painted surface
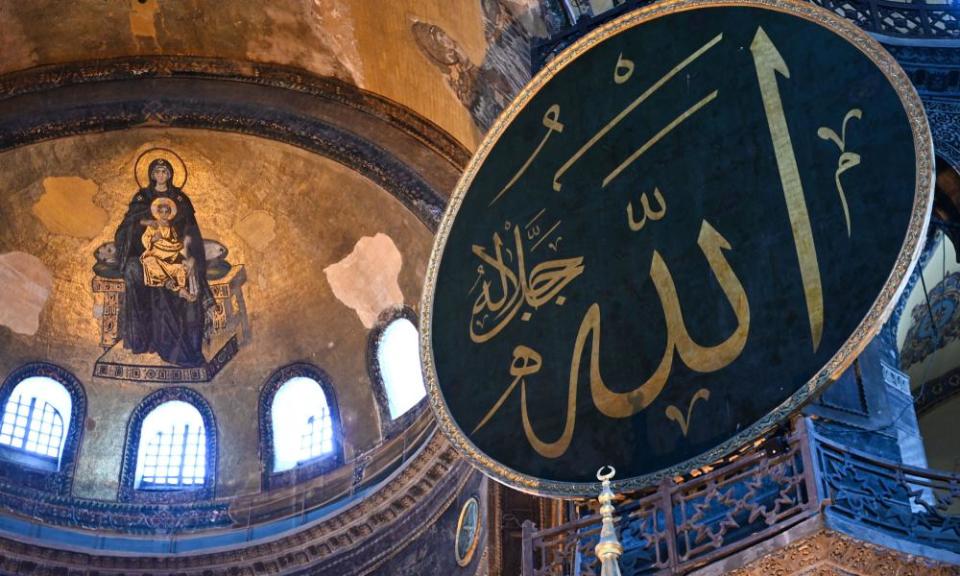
[[718, 166]]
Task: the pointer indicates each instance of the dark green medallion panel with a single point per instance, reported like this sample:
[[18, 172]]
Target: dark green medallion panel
[[661, 250]]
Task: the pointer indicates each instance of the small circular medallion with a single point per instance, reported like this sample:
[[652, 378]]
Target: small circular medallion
[[468, 531]]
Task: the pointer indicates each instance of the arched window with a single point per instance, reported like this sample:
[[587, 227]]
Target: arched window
[[302, 427], [396, 370], [43, 407], [171, 448], [399, 359], [299, 426], [36, 417]]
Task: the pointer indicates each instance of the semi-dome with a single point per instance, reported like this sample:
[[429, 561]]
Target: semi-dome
[[215, 222]]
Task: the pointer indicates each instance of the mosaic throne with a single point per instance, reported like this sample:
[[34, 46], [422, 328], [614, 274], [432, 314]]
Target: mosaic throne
[[231, 328]]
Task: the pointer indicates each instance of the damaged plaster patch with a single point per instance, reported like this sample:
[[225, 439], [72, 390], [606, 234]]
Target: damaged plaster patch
[[26, 286], [143, 18], [290, 38], [334, 23], [66, 207], [367, 279], [258, 229]]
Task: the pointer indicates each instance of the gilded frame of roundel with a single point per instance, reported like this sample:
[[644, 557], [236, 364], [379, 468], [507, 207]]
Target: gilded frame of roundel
[[464, 560], [865, 331]]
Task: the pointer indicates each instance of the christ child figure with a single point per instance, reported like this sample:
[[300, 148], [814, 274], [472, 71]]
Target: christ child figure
[[166, 263]]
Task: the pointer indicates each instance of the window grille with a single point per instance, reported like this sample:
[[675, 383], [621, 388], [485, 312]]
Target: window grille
[[317, 437], [33, 425], [175, 457], [172, 453], [36, 418]]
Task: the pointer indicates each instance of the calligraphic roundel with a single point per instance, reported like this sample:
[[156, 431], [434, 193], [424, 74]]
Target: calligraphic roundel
[[687, 224]]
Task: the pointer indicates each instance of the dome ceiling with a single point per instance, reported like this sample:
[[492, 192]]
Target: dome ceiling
[[444, 60], [311, 146]]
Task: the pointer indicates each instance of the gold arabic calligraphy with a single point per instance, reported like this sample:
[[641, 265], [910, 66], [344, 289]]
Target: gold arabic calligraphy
[[513, 287], [847, 159], [543, 283], [625, 404]]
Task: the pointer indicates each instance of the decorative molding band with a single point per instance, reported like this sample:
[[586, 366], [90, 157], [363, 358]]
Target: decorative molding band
[[409, 527], [354, 537], [123, 518], [45, 78], [84, 98], [126, 517]]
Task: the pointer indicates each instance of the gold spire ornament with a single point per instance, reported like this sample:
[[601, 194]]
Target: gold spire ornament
[[608, 549]]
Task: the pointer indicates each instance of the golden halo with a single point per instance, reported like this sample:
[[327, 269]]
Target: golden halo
[[163, 201], [143, 164]]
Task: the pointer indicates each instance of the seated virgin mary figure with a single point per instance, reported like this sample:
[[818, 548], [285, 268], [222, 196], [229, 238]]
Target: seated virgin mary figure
[[167, 298]]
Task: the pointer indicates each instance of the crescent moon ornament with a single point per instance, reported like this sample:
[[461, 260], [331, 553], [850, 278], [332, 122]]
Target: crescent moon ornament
[[606, 473], [148, 156]]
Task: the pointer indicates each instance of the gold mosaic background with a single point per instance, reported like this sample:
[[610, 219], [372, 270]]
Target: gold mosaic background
[[284, 213], [368, 43]]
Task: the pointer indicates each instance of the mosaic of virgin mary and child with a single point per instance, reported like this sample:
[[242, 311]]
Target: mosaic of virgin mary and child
[[160, 251], [170, 305]]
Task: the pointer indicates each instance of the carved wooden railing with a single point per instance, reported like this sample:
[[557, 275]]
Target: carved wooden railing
[[906, 19], [914, 504], [682, 526], [914, 19]]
